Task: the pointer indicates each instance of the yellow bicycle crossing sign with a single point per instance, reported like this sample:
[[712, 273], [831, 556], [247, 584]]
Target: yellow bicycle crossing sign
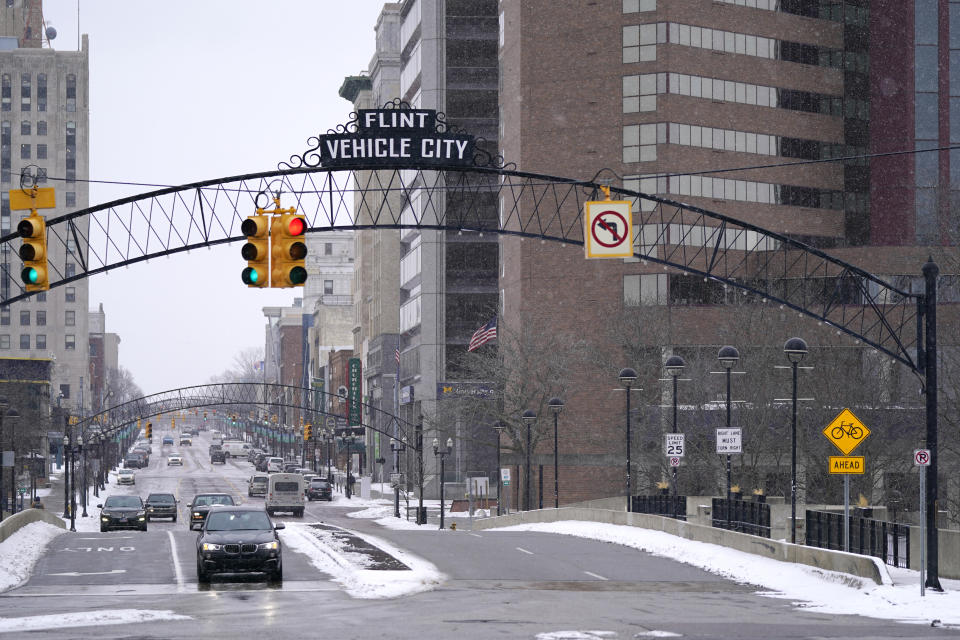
[[846, 432]]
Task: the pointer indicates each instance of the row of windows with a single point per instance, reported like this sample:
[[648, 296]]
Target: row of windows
[[26, 126], [640, 140], [69, 295], [27, 153], [69, 319], [738, 190], [40, 341], [640, 93], [824, 9], [639, 44], [26, 92]]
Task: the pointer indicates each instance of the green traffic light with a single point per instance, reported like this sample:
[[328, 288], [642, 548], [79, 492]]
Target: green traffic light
[[250, 276], [29, 275]]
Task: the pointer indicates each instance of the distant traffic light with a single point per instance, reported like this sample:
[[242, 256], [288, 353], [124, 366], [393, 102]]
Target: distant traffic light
[[256, 251], [307, 431], [149, 431], [33, 252], [288, 250]]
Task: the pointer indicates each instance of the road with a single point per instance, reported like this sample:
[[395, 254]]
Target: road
[[497, 584]]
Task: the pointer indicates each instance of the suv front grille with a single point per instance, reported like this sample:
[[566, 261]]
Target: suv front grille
[[248, 548]]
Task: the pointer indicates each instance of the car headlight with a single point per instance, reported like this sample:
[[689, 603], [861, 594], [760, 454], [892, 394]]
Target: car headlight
[[150, 509], [267, 546], [104, 519], [211, 547], [197, 514]]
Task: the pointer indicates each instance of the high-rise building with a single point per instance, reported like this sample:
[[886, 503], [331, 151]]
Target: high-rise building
[[44, 134], [673, 96]]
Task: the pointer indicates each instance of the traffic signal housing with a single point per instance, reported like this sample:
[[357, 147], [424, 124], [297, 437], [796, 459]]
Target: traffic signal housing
[[289, 251], [307, 432], [33, 252], [256, 251], [149, 431]]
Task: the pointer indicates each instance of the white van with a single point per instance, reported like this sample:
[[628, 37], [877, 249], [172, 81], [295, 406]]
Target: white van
[[235, 448], [285, 493], [274, 465]]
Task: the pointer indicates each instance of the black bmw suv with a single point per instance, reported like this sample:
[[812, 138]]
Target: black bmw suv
[[161, 505], [239, 540], [122, 512]]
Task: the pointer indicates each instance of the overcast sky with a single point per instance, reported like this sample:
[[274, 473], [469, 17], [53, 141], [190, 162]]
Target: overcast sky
[[185, 90]]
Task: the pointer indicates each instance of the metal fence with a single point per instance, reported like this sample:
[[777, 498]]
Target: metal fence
[[888, 541], [660, 505], [744, 516]]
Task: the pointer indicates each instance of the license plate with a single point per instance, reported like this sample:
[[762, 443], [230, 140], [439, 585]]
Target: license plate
[[123, 519]]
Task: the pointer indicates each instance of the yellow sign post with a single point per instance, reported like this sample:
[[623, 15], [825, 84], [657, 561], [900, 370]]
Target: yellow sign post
[[847, 464], [846, 432]]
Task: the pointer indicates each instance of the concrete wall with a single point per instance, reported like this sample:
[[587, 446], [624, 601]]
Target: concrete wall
[[856, 565], [948, 557], [12, 524]]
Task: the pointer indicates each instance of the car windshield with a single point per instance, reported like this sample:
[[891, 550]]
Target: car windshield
[[238, 520], [260, 480], [207, 500], [322, 484], [126, 472], [122, 502], [161, 498]]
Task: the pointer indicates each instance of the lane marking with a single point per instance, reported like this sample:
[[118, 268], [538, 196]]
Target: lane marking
[[102, 538], [74, 574], [476, 536], [176, 563], [597, 576], [525, 551]]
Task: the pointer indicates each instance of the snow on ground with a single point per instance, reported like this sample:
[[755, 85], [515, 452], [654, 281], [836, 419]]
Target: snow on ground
[[85, 619], [20, 552], [808, 587], [357, 581]]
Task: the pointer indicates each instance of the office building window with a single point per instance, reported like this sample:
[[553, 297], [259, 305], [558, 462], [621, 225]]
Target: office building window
[[24, 340], [41, 296], [70, 294], [71, 198], [5, 316], [24, 318], [71, 270], [42, 128], [25, 91], [5, 341], [41, 341], [640, 141], [41, 318], [70, 318], [41, 92], [65, 391], [41, 152], [640, 42], [328, 287], [6, 94], [25, 128], [328, 248], [71, 93], [69, 342], [71, 152], [24, 152], [640, 91], [634, 6], [41, 172]]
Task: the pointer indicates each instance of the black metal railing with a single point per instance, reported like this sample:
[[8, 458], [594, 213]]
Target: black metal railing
[[745, 516], [888, 541], [660, 505]]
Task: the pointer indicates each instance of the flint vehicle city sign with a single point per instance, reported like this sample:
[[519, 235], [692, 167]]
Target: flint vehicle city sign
[[384, 136]]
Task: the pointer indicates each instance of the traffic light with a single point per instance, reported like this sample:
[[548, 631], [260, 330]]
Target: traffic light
[[149, 431], [289, 251], [33, 252], [307, 431], [256, 251]]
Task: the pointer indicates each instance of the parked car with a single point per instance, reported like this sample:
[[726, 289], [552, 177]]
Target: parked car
[[167, 440], [201, 503], [257, 484], [285, 493], [291, 467], [122, 512], [133, 461], [253, 454], [161, 505], [218, 455], [239, 540], [175, 458], [186, 440], [319, 489], [126, 476]]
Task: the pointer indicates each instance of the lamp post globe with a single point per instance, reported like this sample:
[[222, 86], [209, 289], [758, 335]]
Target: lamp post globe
[[529, 417], [556, 406], [795, 349]]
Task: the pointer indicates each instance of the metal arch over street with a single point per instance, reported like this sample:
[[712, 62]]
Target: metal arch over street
[[479, 200], [248, 395]]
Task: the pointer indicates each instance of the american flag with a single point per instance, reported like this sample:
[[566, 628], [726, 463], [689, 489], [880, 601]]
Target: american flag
[[483, 335]]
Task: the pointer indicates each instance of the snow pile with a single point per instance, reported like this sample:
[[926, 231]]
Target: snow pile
[[809, 587], [86, 619], [21, 551], [360, 582]]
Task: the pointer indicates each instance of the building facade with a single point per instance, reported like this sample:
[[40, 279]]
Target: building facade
[[44, 133]]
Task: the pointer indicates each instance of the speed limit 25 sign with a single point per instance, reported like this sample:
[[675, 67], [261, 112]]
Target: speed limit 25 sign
[[673, 445]]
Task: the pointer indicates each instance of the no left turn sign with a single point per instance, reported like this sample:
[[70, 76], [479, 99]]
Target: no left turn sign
[[921, 458]]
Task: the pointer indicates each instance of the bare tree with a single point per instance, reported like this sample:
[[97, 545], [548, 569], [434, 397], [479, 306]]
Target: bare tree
[[246, 367]]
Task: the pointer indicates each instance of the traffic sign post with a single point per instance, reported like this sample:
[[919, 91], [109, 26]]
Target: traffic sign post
[[922, 459], [846, 432], [673, 445]]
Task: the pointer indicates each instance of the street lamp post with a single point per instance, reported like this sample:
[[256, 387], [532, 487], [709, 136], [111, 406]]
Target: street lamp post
[[529, 417], [499, 426], [556, 405], [795, 348], [627, 377], [349, 442], [418, 431], [397, 447], [83, 458], [728, 356], [442, 454], [329, 437], [674, 366]]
